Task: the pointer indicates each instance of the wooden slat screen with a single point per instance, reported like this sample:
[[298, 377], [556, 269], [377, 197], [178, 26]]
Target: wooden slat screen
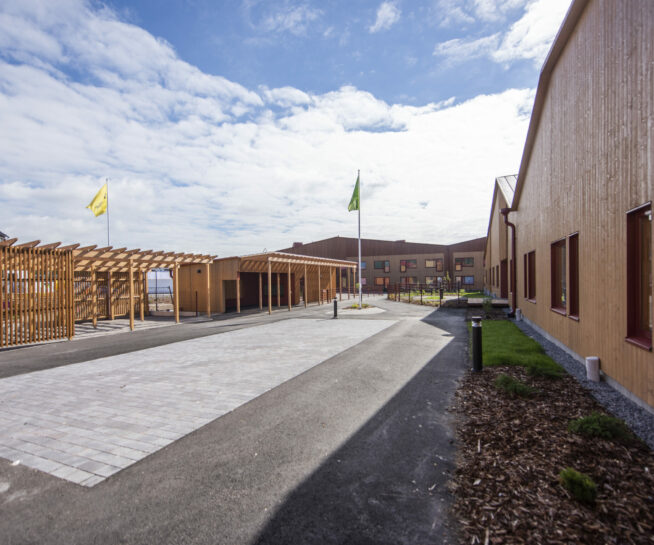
[[35, 295]]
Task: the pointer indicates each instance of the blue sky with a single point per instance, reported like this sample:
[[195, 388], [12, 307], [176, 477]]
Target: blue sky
[[239, 126]]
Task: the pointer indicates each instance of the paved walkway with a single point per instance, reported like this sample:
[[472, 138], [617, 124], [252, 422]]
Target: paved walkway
[[87, 421]]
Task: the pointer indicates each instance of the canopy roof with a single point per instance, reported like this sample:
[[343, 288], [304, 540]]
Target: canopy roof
[[279, 262], [115, 259]]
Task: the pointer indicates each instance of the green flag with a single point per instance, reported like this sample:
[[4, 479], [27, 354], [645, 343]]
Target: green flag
[[354, 202]]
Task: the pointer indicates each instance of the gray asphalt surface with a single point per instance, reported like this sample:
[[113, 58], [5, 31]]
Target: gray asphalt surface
[[356, 450]]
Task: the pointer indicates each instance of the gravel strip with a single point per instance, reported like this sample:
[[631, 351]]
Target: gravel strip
[[638, 419]]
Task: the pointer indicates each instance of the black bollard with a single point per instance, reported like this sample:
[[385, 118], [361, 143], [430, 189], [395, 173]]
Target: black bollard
[[335, 308], [476, 344]]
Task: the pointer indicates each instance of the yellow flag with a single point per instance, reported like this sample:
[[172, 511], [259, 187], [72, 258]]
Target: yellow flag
[[99, 203]]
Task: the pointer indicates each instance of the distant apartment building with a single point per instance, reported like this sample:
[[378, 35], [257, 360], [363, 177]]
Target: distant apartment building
[[386, 262]]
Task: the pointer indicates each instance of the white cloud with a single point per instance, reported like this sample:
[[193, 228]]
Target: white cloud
[[530, 37], [199, 163], [293, 19], [387, 15]]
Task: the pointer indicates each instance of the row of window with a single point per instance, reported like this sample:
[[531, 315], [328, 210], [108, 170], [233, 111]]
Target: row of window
[[564, 275], [463, 280], [437, 264]]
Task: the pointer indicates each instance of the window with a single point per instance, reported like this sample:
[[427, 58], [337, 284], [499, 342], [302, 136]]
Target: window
[[439, 265], [497, 275], [408, 264], [558, 283], [573, 288], [468, 261], [430, 279], [639, 276], [458, 263], [531, 276], [430, 263], [524, 274], [468, 280], [408, 280], [457, 280], [385, 265], [364, 281], [382, 281], [363, 265]]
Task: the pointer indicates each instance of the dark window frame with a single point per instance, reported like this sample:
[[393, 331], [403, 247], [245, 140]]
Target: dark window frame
[[531, 276], [636, 334], [558, 271], [573, 273]]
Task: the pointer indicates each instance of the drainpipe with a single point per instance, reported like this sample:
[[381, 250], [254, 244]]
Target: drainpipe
[[514, 292]]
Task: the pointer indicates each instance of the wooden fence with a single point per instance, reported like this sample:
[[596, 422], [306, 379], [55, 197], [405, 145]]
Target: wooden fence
[[36, 294]]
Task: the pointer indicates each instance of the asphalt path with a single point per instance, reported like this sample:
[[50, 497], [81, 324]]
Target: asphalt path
[[358, 449]]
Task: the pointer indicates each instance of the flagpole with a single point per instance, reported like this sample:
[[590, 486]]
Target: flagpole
[[107, 182], [360, 279]]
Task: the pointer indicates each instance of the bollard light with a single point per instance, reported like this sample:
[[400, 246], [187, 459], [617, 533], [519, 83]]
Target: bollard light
[[476, 344], [335, 308]]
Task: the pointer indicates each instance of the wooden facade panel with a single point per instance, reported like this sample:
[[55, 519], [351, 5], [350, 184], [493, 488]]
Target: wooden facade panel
[[593, 160]]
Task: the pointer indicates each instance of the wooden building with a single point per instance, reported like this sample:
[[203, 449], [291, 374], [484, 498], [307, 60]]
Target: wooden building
[[45, 289], [386, 262], [498, 258], [273, 279], [582, 203]]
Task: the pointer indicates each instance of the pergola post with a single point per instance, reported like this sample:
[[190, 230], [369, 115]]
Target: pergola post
[[269, 287], [176, 292], [141, 296], [319, 292], [288, 294], [131, 296], [348, 282], [146, 293], [207, 269], [305, 285], [110, 290], [238, 292], [279, 294], [340, 283], [260, 292], [94, 294]]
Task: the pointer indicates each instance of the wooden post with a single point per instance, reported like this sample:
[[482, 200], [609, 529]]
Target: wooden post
[[131, 296], [260, 292], [319, 292], [288, 292], [306, 281], [71, 296], [348, 282], [110, 290], [340, 284], [141, 296], [94, 294], [207, 269], [238, 292], [146, 290], [269, 287], [279, 291], [176, 292]]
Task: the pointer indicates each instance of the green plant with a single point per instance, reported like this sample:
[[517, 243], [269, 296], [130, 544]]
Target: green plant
[[356, 306], [487, 305], [513, 387], [580, 485], [600, 425]]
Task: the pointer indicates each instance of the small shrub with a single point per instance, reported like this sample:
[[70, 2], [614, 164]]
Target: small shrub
[[513, 387], [600, 425], [546, 369], [580, 485], [356, 305], [487, 305]]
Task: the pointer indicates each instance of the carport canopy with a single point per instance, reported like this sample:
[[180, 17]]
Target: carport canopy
[[301, 265]]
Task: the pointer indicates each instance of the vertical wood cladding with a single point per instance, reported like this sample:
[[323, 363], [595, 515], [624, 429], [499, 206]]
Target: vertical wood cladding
[[592, 161]]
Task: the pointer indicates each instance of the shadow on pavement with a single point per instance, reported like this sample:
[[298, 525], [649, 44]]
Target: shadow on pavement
[[387, 483]]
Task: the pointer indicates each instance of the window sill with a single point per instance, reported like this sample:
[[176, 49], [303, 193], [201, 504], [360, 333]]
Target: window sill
[[532, 301], [573, 317], [640, 342], [560, 311]]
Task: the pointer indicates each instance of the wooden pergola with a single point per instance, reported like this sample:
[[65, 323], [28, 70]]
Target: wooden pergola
[[303, 267], [46, 288]]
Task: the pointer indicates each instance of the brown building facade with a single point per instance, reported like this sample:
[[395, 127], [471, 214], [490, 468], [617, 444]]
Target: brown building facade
[[582, 204], [386, 262]]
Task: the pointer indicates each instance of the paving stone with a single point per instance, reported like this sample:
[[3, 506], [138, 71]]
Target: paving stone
[[87, 421]]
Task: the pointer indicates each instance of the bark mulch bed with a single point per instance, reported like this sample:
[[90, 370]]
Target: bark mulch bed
[[511, 451]]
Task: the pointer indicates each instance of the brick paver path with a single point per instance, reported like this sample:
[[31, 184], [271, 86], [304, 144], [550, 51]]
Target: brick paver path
[[87, 421]]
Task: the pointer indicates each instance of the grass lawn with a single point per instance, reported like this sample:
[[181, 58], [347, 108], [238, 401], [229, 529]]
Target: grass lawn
[[504, 344]]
